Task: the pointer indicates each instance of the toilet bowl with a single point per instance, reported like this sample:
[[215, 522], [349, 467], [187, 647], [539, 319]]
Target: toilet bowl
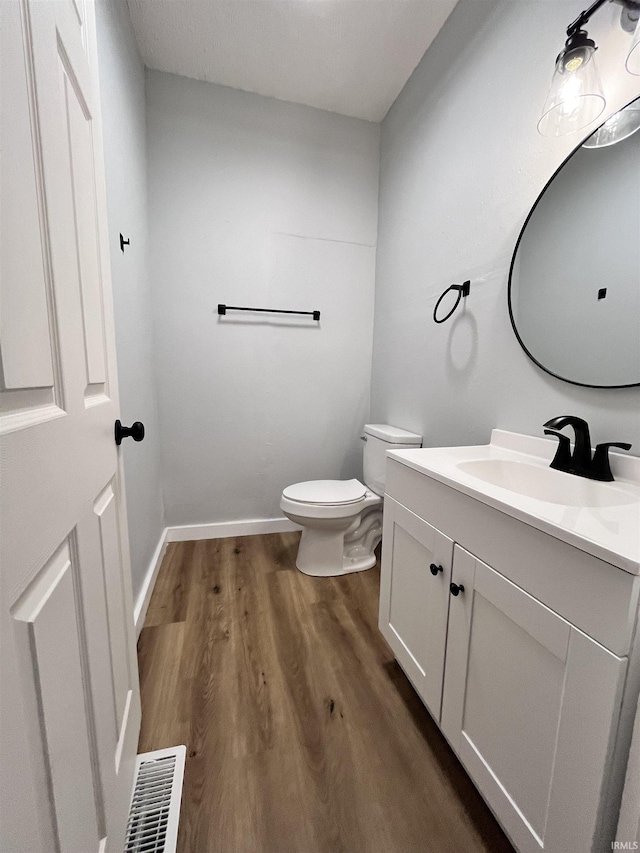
[[341, 520], [341, 524]]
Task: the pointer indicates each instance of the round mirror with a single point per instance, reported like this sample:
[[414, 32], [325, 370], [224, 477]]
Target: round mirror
[[574, 281]]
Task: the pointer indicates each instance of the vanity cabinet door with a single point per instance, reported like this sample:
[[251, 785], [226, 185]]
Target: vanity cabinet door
[[413, 600], [530, 705]]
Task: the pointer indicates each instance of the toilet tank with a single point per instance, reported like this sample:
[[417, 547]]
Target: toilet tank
[[378, 438]]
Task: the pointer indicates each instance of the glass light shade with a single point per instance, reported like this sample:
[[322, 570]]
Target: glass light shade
[[633, 60], [616, 128], [575, 98]]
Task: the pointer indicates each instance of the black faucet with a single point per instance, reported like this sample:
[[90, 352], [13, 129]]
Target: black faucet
[[580, 462]]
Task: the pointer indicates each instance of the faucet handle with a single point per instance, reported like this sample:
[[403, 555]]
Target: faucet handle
[[562, 459], [600, 464]]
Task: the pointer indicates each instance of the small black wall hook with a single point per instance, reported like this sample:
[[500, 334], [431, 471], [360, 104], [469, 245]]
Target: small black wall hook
[[123, 243], [463, 290]]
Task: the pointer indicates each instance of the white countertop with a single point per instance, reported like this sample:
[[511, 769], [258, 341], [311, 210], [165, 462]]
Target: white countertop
[[611, 533]]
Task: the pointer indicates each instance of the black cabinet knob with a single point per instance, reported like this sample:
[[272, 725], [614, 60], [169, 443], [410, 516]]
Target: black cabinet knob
[[135, 431], [435, 569], [456, 589]]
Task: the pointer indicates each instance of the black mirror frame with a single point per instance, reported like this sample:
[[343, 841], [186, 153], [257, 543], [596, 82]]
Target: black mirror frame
[[513, 261]]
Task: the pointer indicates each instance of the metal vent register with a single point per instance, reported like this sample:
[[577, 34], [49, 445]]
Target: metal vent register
[[155, 807]]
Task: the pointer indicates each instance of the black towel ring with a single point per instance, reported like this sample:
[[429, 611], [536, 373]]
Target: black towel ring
[[463, 290]]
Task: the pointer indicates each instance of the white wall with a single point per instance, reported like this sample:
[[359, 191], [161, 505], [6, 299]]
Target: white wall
[[257, 202], [123, 117], [461, 164]]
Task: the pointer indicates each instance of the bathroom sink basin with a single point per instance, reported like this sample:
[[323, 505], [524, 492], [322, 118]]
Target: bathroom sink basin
[[512, 474], [545, 484]]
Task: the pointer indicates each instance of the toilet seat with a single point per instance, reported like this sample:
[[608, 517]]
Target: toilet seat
[[326, 499], [326, 492]]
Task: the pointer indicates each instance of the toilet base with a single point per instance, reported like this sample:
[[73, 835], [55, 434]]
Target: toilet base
[[325, 551], [349, 565]]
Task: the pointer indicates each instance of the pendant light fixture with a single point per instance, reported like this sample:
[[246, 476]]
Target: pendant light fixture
[[576, 98]]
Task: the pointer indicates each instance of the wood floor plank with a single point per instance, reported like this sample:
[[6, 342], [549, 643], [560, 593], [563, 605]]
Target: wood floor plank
[[303, 734], [168, 598], [162, 683]]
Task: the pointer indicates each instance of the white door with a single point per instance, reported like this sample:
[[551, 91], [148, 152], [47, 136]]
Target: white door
[[531, 707], [414, 598], [69, 698]]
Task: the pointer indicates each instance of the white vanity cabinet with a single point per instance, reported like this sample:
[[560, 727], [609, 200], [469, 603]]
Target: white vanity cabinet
[[520, 680]]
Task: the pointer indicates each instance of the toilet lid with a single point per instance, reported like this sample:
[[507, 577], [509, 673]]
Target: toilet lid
[[326, 492]]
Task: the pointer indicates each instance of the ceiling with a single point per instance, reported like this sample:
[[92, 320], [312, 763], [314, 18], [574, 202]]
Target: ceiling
[[347, 56]]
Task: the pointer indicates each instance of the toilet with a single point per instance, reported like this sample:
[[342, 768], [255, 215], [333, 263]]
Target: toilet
[[341, 520]]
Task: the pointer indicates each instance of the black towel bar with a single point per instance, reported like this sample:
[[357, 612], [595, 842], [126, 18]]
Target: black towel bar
[[222, 309]]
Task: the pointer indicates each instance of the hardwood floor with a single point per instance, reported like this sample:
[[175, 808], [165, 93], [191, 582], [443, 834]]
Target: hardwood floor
[[302, 732]]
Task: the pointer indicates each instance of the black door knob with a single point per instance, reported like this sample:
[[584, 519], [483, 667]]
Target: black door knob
[[435, 569], [456, 589], [135, 431]]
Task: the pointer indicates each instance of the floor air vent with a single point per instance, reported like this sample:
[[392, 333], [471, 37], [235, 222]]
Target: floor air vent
[[155, 807]]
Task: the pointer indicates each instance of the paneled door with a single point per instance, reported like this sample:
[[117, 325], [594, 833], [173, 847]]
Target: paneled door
[[414, 598], [69, 696], [531, 707]]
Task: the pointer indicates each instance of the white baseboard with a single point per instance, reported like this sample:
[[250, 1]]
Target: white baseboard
[[144, 596], [220, 530]]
